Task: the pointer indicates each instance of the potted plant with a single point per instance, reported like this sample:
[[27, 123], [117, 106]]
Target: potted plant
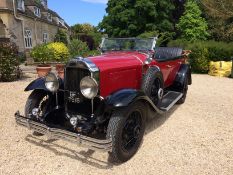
[[42, 54], [60, 54]]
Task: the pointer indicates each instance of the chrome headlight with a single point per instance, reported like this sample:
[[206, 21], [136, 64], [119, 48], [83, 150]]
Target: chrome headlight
[[51, 82], [89, 87]]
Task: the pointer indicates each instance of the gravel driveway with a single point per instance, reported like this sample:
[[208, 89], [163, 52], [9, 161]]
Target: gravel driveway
[[194, 138]]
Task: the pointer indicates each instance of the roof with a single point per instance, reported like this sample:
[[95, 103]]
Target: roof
[[43, 17]]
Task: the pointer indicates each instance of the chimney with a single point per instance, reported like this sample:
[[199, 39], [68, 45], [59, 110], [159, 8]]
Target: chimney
[[44, 3]]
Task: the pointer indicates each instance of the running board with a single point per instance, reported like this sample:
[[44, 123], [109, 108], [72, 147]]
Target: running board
[[169, 100]]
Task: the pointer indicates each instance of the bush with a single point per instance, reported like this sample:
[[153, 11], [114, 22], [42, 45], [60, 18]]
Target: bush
[[41, 53], [60, 52], [61, 36], [8, 61], [78, 48], [205, 51]]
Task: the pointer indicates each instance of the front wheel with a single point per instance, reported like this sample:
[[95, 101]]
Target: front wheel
[[36, 106], [126, 129]]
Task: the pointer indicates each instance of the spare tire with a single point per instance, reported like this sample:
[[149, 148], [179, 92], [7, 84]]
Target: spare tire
[[152, 85]]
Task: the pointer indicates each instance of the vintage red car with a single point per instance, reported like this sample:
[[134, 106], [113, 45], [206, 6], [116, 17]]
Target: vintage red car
[[103, 101]]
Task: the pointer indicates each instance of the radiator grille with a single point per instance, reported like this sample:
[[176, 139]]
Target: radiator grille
[[73, 76]]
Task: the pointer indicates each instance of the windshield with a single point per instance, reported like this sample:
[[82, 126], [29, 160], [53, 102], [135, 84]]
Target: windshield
[[128, 44]]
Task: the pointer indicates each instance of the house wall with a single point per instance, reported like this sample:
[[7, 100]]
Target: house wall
[[6, 4], [12, 28]]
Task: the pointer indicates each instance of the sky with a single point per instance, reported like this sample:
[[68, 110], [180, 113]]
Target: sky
[[79, 11]]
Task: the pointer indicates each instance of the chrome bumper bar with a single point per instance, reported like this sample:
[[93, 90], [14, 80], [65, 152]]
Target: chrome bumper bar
[[55, 133]]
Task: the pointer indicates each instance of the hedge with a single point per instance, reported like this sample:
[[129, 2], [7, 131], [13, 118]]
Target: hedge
[[205, 51], [9, 64]]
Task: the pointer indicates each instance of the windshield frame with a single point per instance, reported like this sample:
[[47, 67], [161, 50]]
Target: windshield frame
[[154, 41]]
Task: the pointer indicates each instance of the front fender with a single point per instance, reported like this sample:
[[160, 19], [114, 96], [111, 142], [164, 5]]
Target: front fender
[[125, 97], [40, 84]]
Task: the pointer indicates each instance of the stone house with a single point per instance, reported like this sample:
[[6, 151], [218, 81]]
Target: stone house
[[28, 23]]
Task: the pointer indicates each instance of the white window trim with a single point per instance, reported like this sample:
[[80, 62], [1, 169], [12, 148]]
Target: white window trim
[[51, 17], [28, 38], [37, 11], [45, 37], [61, 21], [22, 6]]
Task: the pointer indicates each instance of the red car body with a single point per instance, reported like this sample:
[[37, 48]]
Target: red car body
[[123, 70]]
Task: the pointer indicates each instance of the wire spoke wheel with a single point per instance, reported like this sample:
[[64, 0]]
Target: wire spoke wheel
[[131, 130], [154, 91]]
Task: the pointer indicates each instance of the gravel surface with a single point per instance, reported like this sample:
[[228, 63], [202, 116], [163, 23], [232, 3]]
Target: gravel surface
[[194, 138]]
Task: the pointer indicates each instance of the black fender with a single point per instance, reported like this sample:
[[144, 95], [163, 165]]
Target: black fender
[[40, 84], [184, 71], [125, 97]]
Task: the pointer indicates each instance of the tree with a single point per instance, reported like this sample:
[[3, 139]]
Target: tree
[[130, 18], [87, 33], [219, 14], [62, 36], [191, 25]]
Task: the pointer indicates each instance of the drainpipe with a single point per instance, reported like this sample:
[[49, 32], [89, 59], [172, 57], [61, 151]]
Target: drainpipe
[[36, 30], [16, 17]]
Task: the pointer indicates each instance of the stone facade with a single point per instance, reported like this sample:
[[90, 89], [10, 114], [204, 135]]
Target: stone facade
[[23, 27]]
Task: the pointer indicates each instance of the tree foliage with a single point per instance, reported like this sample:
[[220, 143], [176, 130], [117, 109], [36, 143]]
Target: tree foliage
[[191, 25], [220, 18], [87, 33], [130, 18], [61, 36]]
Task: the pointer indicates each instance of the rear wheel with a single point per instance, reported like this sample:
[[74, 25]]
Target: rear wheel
[[36, 106], [184, 90], [126, 129]]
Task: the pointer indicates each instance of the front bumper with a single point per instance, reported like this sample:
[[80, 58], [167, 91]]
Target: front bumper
[[55, 133]]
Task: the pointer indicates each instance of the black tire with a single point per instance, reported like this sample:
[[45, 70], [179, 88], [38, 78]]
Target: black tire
[[184, 90], [34, 101], [126, 138], [152, 82]]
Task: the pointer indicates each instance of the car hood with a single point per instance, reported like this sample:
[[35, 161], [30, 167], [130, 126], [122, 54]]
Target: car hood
[[116, 60]]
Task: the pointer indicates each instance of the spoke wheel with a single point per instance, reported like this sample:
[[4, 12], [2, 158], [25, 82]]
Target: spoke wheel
[[126, 129], [154, 91], [131, 130]]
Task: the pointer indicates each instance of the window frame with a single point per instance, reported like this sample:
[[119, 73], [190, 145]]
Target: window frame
[[28, 38], [49, 17], [37, 11], [45, 39], [20, 5]]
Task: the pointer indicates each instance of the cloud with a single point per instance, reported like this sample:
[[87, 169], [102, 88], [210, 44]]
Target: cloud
[[96, 1]]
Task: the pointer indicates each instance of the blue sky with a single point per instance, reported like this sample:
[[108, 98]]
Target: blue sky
[[79, 11]]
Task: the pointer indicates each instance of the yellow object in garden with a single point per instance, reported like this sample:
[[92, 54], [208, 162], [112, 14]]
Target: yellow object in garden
[[220, 68]]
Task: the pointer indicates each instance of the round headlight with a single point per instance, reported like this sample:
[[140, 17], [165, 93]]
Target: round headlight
[[51, 82], [89, 87]]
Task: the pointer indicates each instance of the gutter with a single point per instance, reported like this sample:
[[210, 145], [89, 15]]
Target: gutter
[[22, 20]]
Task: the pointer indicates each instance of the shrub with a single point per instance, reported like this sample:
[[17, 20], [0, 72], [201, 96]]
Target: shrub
[[93, 53], [205, 51], [8, 61], [60, 52], [78, 48], [199, 59], [61, 36], [41, 53]]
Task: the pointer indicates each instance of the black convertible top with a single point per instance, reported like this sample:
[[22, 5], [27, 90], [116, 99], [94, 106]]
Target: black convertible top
[[167, 53]]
